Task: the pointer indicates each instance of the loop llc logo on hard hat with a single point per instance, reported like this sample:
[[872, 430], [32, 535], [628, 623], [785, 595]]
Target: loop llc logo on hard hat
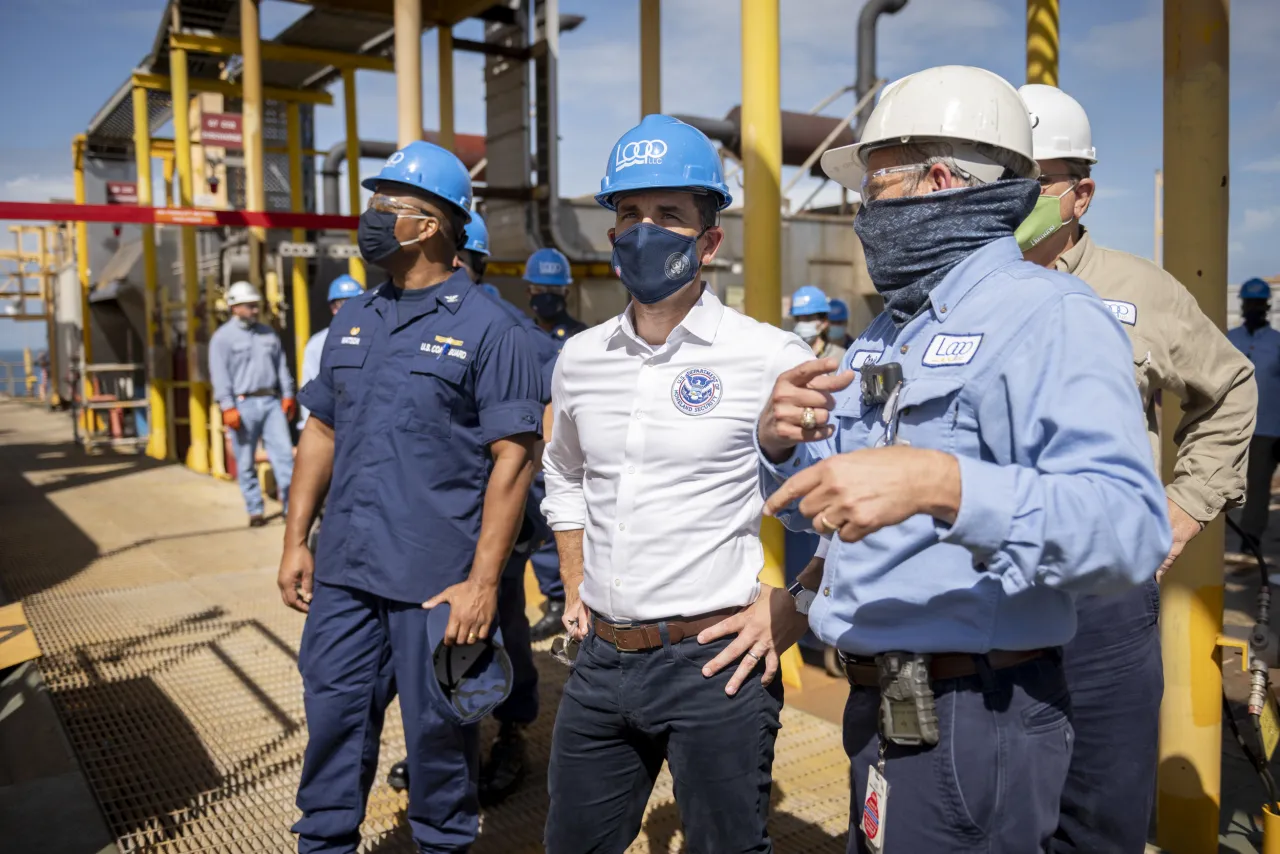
[[640, 151], [471, 680]]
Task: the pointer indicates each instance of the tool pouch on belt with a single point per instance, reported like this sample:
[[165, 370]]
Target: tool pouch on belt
[[907, 713]]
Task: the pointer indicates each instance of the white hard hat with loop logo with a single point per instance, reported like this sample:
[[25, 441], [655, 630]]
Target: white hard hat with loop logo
[[971, 109]]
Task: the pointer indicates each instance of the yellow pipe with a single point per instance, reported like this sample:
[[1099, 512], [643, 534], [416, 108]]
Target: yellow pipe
[[650, 57], [158, 441], [445, 34], [197, 398], [50, 316], [168, 167], [217, 441], [281, 52], [254, 175], [408, 47], [161, 83], [82, 265], [355, 266], [762, 223], [301, 299], [1196, 96], [29, 367], [1042, 41], [1270, 831], [162, 146]]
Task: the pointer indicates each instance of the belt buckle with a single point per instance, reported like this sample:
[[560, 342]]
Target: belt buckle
[[619, 643]]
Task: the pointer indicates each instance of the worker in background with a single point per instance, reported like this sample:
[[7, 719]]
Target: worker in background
[[424, 422], [809, 311], [1113, 663], [341, 289], [1257, 340], [838, 324], [548, 277], [653, 495], [504, 769], [970, 477], [253, 387]]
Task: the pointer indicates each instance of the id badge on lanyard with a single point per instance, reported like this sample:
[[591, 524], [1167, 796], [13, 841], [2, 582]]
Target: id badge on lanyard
[[875, 805]]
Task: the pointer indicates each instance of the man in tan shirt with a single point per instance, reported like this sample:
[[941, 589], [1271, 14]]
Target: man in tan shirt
[[1113, 665]]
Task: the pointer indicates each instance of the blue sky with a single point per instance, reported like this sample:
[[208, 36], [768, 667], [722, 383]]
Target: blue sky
[[63, 58]]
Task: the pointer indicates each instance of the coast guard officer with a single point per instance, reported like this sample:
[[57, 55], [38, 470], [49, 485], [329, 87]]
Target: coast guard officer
[[341, 289], [970, 475], [424, 420]]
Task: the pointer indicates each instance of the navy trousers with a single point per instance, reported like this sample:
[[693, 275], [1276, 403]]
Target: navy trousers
[[545, 558], [623, 713], [358, 651], [521, 705], [992, 782], [1116, 677]]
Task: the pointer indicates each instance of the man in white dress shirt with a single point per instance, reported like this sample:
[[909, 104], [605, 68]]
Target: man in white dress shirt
[[653, 496]]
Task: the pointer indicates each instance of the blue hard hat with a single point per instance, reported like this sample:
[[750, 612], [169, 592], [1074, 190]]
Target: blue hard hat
[[809, 300], [839, 312], [1255, 289], [477, 235], [490, 290], [548, 267], [427, 166], [344, 287], [662, 153]]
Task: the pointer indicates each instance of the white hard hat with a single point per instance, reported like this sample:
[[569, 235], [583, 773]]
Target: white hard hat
[[242, 293], [956, 104], [1059, 125]]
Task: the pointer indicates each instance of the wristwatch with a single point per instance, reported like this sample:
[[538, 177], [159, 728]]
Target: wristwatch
[[803, 597]]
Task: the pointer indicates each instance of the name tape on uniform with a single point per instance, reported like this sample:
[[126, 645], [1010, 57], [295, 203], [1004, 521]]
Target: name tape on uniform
[[1125, 312], [948, 350], [443, 349], [861, 358]]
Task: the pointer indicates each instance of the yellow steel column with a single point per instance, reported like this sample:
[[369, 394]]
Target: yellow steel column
[[158, 441], [762, 222], [408, 46], [82, 265], [197, 391], [1196, 74], [355, 266], [255, 194], [301, 299], [445, 33], [650, 57], [1042, 41]]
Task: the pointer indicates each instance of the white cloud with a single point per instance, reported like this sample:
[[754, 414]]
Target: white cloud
[[1260, 219], [1122, 45], [38, 188], [1272, 165]]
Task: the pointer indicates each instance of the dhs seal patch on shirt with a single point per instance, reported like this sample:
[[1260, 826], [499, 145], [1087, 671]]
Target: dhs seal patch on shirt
[[696, 391]]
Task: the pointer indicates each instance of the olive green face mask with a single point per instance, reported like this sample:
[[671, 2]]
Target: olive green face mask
[[1043, 221]]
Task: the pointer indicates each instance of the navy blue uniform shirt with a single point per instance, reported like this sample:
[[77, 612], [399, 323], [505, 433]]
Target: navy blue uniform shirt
[[416, 385]]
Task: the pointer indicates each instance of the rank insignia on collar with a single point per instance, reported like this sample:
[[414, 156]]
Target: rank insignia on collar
[[451, 298]]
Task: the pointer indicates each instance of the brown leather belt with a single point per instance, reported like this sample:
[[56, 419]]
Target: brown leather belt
[[637, 637], [863, 672]]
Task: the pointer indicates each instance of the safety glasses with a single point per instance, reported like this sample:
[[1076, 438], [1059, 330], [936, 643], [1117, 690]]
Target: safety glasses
[[388, 204], [1047, 181], [889, 170]]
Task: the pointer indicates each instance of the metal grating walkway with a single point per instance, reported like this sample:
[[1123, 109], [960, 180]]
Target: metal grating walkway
[[173, 666]]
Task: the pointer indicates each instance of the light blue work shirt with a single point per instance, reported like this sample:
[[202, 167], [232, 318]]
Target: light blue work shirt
[[1025, 376], [1262, 346], [247, 360], [311, 367]]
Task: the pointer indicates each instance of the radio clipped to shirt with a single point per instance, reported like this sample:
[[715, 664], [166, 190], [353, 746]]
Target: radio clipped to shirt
[[882, 386]]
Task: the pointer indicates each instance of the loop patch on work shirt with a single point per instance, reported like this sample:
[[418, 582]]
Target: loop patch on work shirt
[[696, 391], [946, 350], [1125, 312], [861, 358]]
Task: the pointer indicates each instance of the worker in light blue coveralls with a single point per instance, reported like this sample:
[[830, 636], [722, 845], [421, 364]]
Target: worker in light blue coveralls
[[341, 289], [253, 387], [986, 461], [424, 423], [838, 324], [547, 276], [504, 769], [1256, 338]]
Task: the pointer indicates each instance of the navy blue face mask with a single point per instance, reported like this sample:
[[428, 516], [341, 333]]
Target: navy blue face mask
[[548, 306], [376, 236], [654, 262]]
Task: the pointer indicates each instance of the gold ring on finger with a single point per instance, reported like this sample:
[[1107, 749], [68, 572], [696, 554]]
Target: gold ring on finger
[[821, 525], [471, 638], [808, 418]]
